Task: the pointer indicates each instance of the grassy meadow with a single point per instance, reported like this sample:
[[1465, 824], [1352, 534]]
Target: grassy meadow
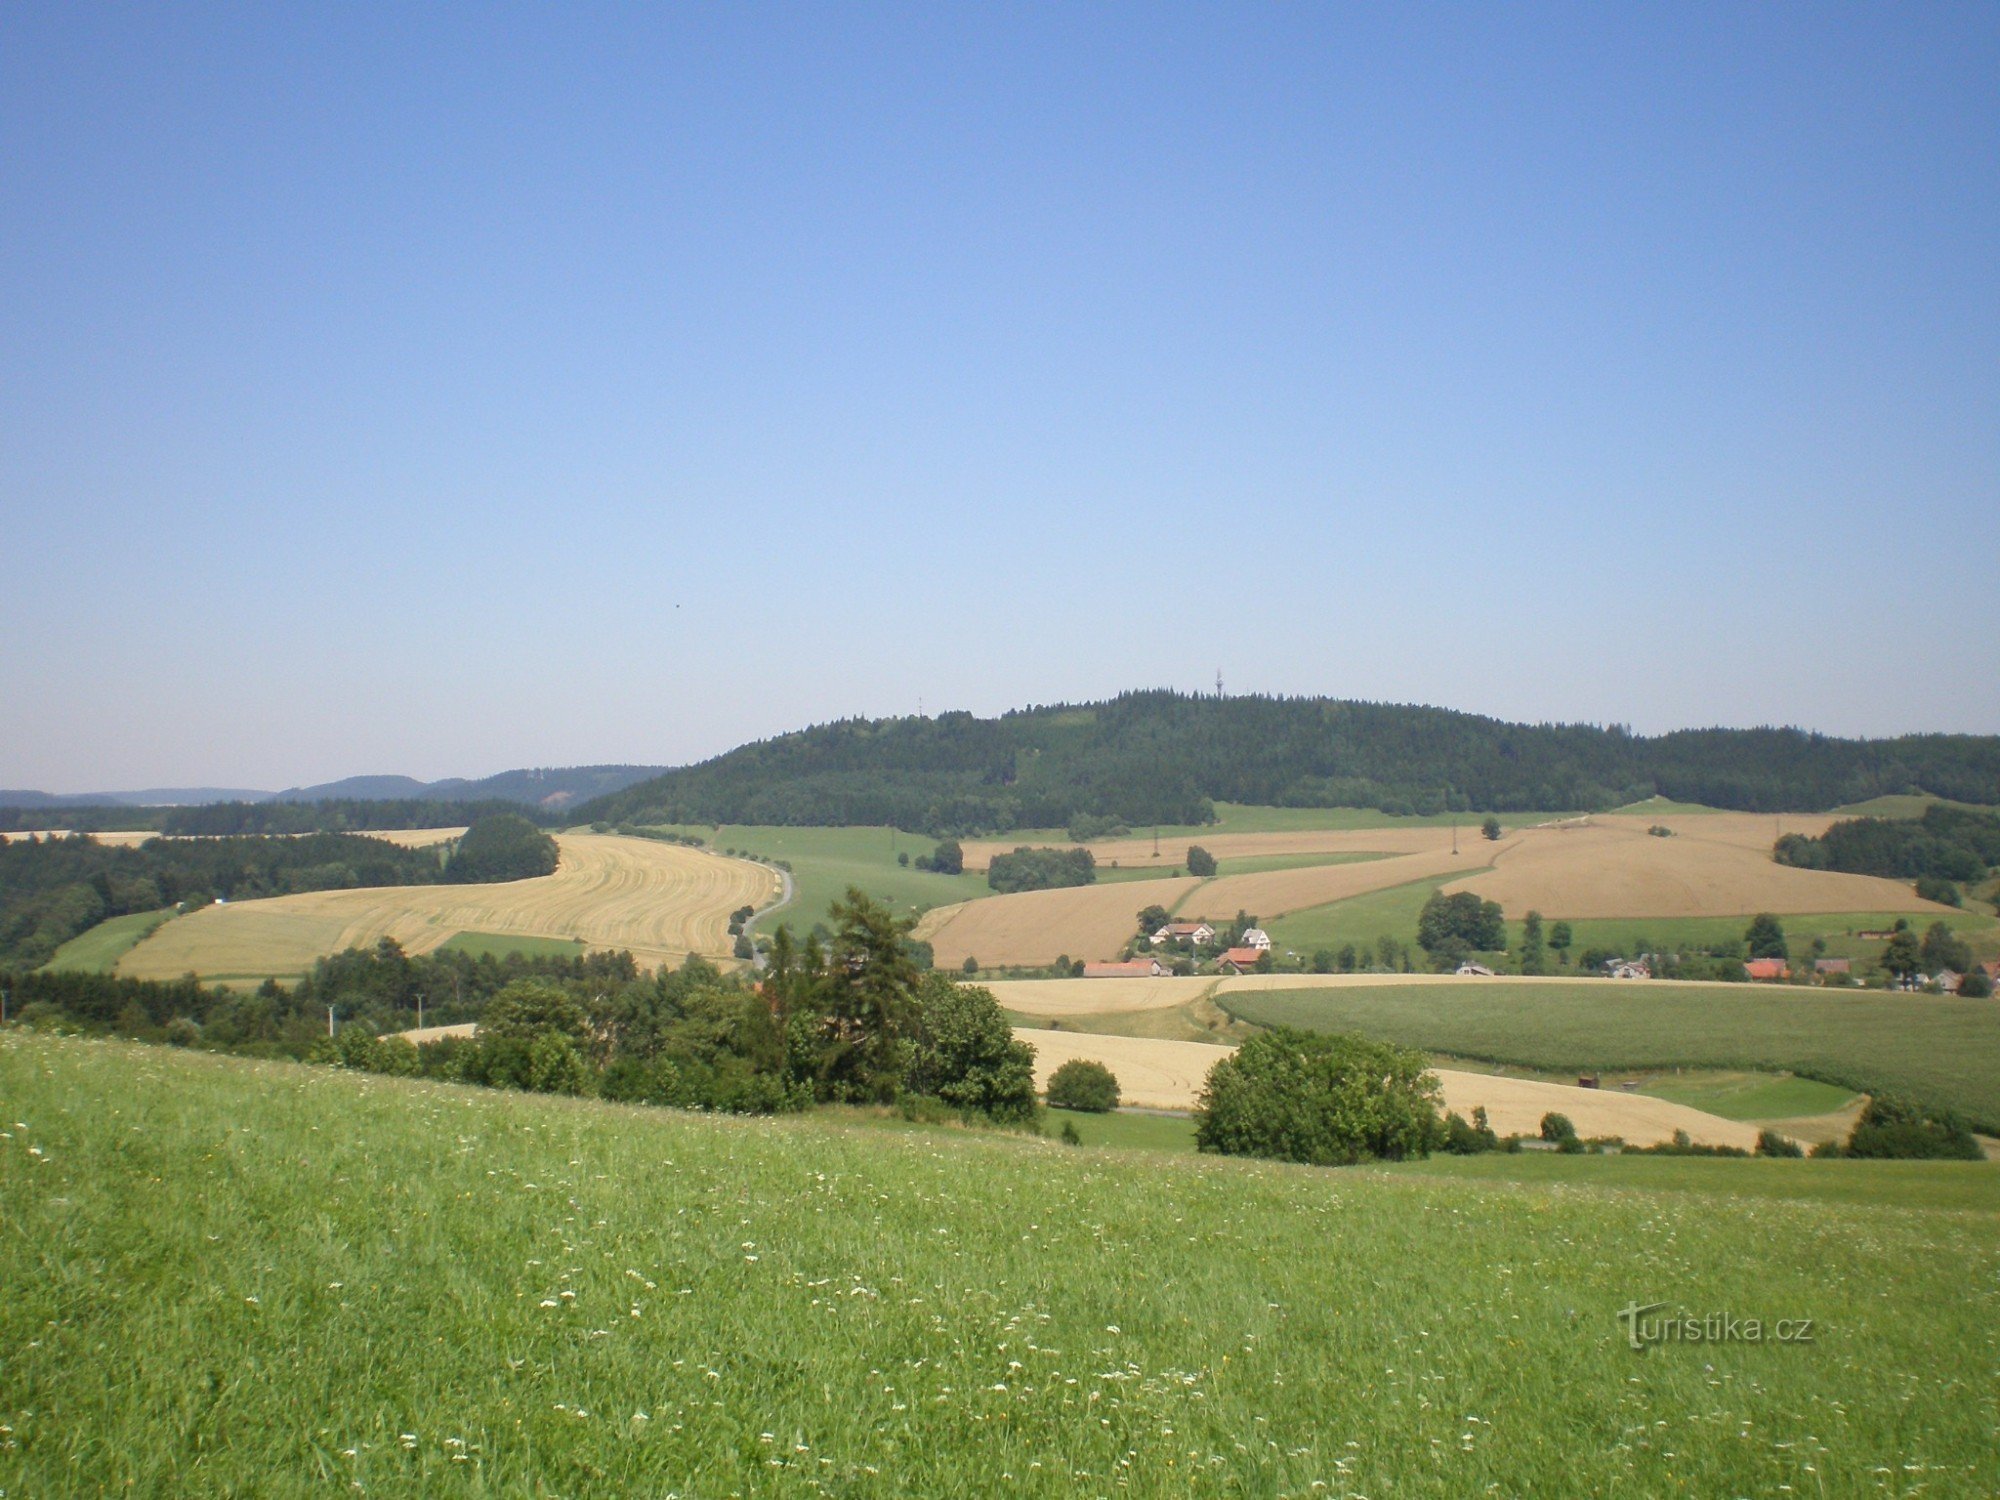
[[1359, 920], [225, 1277], [98, 950], [1629, 935], [1936, 1048], [826, 861], [500, 944]]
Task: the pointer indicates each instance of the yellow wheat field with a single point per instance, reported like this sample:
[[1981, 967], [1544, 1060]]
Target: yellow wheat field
[[1066, 999], [1137, 853], [1272, 893], [1169, 1075], [1037, 927], [1611, 867], [661, 901]]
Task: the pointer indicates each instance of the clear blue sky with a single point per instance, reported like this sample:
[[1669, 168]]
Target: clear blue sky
[[444, 389]]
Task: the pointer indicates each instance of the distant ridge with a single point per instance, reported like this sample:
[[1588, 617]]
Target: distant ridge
[[1168, 757], [552, 788]]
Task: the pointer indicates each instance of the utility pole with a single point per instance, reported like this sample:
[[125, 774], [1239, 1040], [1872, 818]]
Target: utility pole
[[329, 1020], [420, 1012]]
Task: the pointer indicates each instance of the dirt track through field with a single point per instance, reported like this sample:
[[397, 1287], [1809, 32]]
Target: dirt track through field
[[662, 901], [1169, 1075]]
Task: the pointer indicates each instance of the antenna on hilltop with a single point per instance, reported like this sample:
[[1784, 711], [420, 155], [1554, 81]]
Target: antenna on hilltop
[[1218, 682]]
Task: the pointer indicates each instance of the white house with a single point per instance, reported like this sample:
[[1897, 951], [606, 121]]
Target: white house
[[1627, 969], [1192, 932], [1469, 969], [1258, 938]]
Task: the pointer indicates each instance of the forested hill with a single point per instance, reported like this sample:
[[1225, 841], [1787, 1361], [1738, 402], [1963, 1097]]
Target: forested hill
[[1165, 757]]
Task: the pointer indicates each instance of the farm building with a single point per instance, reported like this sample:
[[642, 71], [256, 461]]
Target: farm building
[[1626, 968], [1768, 968], [1189, 932], [1469, 970], [1239, 960], [1138, 968], [1258, 938], [1833, 968]]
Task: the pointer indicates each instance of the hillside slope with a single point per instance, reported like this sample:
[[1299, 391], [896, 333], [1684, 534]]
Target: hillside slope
[[1162, 757], [318, 1281]]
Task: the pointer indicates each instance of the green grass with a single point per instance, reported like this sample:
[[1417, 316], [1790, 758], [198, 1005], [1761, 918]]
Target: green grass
[[1964, 1187], [1359, 920], [826, 861], [1661, 807], [500, 944], [1752, 1096], [1239, 817], [1125, 1129], [1935, 1048], [98, 950], [220, 1277], [1627, 935]]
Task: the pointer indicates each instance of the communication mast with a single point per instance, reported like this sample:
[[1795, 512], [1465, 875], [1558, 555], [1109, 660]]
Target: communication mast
[[1218, 682]]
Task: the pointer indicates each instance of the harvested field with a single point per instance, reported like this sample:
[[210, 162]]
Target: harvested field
[[661, 901], [1097, 997], [1132, 853], [1061, 998], [1718, 865], [1151, 1074], [1272, 893], [1037, 927], [1169, 1075]]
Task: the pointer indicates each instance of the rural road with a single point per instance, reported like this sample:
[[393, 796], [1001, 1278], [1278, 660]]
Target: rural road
[[784, 900]]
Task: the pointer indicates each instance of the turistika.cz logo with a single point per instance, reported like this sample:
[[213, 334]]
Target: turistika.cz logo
[[1652, 1324]]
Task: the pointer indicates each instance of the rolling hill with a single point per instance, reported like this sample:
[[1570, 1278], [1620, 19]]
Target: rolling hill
[[1165, 757]]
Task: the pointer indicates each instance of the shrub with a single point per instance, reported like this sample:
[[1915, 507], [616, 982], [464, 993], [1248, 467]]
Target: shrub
[[1069, 1134], [1975, 985], [1557, 1128], [948, 858], [1897, 1128], [1937, 888], [1082, 1084], [1200, 861], [1770, 1143], [182, 1031], [1040, 869], [1462, 1139], [1324, 1099], [965, 1053], [970, 966], [502, 847]]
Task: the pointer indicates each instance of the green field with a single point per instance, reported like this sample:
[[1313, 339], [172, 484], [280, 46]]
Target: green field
[[224, 1277], [317, 1281], [1630, 935], [1935, 1048], [1954, 1186], [1751, 1096], [1240, 817], [1125, 1129], [1359, 920], [826, 861], [98, 950], [500, 944]]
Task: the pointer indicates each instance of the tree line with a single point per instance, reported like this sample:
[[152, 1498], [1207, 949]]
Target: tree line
[[851, 1020], [1946, 843], [1165, 758], [52, 889]]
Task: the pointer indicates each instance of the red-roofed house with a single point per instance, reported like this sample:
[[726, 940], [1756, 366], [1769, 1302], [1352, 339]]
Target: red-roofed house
[[1240, 960], [1768, 968]]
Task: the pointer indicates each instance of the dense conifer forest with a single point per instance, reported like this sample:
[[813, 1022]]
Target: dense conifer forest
[[1165, 757]]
